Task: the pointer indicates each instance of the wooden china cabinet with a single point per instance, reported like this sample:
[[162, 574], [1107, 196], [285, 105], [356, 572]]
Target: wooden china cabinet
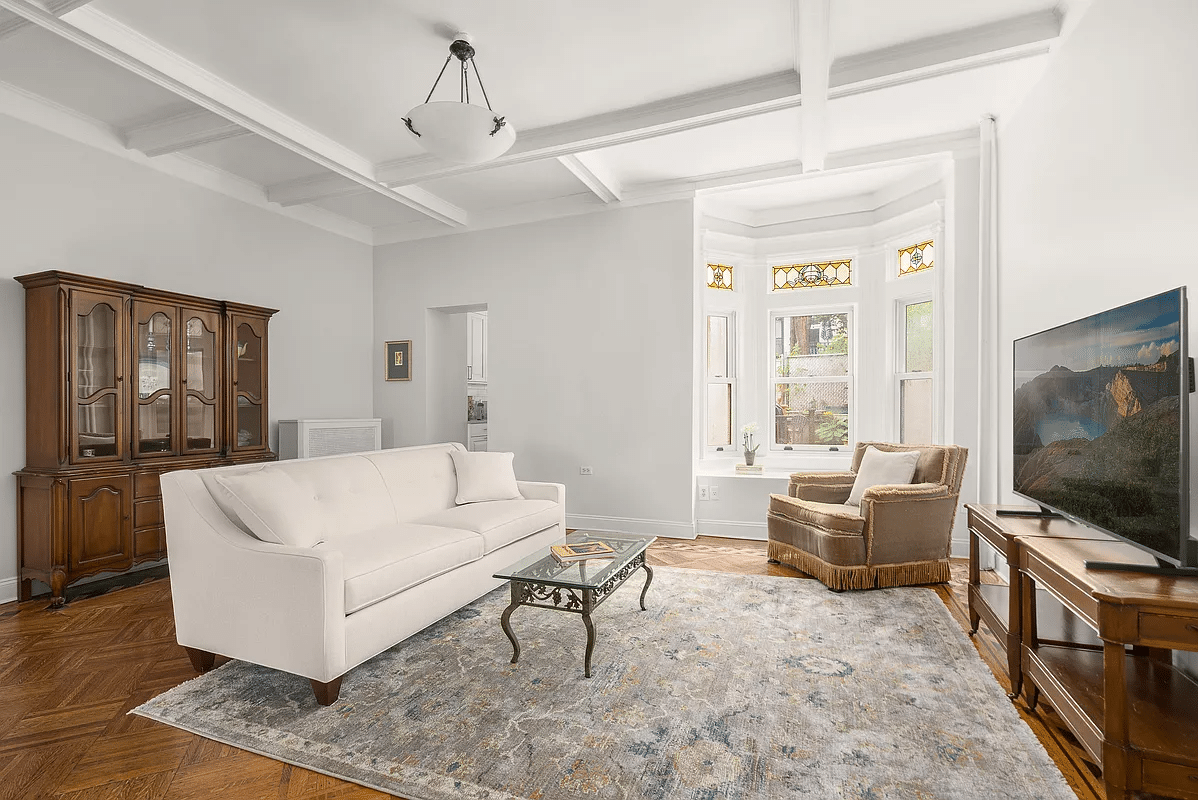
[[122, 384]]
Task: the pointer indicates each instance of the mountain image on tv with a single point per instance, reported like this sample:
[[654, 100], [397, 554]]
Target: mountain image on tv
[[1097, 420]]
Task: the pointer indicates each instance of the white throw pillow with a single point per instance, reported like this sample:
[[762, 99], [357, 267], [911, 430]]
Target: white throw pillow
[[273, 507], [484, 476], [881, 468]]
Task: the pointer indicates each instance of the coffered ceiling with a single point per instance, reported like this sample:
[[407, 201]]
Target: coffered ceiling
[[297, 105]]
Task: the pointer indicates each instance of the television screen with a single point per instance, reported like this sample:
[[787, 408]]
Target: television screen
[[1099, 422]]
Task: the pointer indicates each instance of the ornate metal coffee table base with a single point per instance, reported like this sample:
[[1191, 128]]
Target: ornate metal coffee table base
[[575, 601]]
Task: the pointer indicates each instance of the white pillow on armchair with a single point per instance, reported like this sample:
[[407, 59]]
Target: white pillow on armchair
[[881, 468]]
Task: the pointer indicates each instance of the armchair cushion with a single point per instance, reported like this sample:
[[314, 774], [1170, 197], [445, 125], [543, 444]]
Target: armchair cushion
[[833, 517], [881, 468]]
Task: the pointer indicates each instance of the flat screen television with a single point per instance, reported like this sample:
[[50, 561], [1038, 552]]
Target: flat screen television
[[1101, 424]]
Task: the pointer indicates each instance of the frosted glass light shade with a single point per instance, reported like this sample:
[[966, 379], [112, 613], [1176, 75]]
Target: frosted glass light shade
[[460, 132]]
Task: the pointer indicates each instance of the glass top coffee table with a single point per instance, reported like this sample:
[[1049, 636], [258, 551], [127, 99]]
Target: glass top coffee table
[[540, 581]]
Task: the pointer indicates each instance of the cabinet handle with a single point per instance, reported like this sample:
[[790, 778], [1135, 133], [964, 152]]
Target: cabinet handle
[[1193, 628]]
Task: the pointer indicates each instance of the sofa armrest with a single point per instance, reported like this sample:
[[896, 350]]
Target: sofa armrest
[[821, 487], [533, 490], [270, 604], [909, 522]]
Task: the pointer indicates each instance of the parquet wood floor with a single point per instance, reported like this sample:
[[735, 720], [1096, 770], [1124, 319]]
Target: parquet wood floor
[[68, 677]]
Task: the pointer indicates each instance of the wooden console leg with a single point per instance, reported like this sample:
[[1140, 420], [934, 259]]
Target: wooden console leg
[[201, 660], [326, 693]]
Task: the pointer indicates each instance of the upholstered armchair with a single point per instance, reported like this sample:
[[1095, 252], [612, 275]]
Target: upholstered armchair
[[899, 535]]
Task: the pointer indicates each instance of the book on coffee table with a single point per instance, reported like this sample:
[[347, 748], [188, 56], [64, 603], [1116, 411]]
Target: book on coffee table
[[569, 553]]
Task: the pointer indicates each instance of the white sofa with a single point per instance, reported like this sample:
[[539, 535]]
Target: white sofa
[[398, 555]]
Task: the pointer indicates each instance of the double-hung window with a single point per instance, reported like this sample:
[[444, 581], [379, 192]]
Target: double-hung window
[[721, 396], [915, 371], [812, 378]]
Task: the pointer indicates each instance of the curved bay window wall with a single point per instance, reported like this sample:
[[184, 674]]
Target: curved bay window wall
[[825, 347]]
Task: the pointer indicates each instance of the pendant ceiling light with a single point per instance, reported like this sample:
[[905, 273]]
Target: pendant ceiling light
[[459, 130]]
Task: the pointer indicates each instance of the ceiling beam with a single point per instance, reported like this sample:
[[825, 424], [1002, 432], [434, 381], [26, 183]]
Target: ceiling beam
[[11, 23], [177, 131], [685, 112], [593, 176], [994, 43], [813, 62], [1021, 37], [127, 48]]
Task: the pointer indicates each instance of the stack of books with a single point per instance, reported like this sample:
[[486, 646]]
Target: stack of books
[[569, 553], [745, 469]]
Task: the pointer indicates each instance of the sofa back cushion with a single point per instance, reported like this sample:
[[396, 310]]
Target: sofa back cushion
[[347, 491], [419, 480]]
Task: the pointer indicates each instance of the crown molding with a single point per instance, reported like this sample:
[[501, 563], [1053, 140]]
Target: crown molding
[[66, 122], [120, 44]]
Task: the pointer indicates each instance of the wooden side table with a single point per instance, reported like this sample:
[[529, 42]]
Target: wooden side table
[[998, 604], [1133, 711]]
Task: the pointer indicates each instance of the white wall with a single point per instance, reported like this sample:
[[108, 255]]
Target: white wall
[[1097, 177], [590, 327], [70, 207], [445, 367]]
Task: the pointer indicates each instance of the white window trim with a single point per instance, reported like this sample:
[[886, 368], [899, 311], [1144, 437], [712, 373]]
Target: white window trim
[[898, 357], [732, 448], [772, 380]]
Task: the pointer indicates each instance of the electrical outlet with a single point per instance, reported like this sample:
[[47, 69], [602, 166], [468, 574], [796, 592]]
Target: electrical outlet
[[715, 492], [703, 493], [586, 471]]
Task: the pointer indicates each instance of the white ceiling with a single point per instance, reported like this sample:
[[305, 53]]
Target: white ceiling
[[614, 103]]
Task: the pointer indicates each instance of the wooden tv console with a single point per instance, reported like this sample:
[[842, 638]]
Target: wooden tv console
[[1132, 709]]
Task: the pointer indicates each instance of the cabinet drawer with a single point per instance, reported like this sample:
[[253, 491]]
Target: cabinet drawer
[[145, 484], [1172, 780], [147, 513], [150, 542], [1177, 633]]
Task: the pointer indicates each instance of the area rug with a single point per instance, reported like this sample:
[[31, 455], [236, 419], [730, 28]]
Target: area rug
[[729, 686]]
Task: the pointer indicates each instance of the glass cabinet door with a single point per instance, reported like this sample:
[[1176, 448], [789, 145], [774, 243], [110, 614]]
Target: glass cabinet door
[[153, 341], [200, 374], [97, 376], [249, 383]]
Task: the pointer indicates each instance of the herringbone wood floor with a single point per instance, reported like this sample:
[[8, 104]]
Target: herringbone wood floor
[[68, 677]]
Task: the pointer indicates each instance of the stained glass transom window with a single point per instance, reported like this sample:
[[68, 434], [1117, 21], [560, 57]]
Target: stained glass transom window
[[819, 273], [916, 257], [719, 276]]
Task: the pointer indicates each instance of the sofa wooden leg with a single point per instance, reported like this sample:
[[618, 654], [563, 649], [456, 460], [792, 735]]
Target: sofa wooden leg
[[326, 693], [201, 660]]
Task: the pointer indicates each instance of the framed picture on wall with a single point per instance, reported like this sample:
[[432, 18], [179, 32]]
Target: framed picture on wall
[[399, 361]]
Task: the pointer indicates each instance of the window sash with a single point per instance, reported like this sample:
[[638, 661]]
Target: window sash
[[795, 420], [921, 426], [714, 378]]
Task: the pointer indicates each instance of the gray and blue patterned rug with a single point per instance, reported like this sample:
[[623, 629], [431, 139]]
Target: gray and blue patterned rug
[[727, 687]]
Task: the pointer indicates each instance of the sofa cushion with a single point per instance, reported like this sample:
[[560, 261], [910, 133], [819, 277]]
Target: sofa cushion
[[420, 480], [272, 506], [843, 519], [384, 561], [879, 468], [499, 522], [484, 476]]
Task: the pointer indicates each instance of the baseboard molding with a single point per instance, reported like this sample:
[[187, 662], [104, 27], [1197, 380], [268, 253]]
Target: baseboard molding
[[8, 590], [960, 548], [643, 527], [732, 530]]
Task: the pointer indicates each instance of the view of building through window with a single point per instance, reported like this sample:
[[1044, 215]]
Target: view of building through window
[[915, 377], [812, 379]]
